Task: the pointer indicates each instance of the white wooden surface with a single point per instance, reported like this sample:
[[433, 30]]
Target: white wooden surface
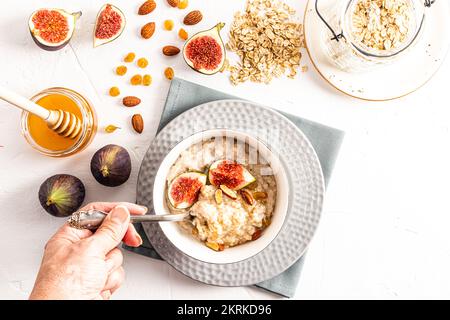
[[384, 232]]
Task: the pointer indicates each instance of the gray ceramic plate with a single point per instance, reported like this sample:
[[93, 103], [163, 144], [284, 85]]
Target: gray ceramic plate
[[305, 199]]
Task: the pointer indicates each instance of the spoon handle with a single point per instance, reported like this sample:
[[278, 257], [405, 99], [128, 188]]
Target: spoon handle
[[23, 103], [92, 219]]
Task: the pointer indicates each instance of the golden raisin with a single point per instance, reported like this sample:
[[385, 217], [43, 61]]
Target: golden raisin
[[169, 73], [130, 57], [183, 34], [183, 4], [121, 70], [147, 80], [136, 80], [142, 63], [114, 92], [213, 245], [111, 128], [168, 25]]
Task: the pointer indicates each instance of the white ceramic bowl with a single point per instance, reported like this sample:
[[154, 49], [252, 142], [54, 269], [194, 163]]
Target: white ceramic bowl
[[195, 248]]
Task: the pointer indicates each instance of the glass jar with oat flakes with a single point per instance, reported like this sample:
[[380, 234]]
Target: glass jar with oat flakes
[[364, 34]]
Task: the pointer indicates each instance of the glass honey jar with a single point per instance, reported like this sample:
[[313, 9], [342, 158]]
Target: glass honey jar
[[48, 142]]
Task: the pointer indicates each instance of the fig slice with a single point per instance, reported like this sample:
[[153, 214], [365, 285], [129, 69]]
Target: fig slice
[[229, 173], [109, 25], [183, 191], [205, 51], [52, 29]]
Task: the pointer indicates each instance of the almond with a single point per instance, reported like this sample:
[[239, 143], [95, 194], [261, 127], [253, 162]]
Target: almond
[[247, 196], [170, 50], [138, 123], [131, 101], [229, 192], [256, 235], [193, 17], [173, 3], [147, 7], [218, 196], [148, 30]]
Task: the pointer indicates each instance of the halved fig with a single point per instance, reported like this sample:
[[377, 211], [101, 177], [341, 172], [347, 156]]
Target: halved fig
[[229, 173], [52, 29], [183, 191], [109, 25], [205, 52]]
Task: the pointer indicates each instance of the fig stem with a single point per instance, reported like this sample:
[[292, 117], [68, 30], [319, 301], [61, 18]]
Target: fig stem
[[220, 26], [77, 15]]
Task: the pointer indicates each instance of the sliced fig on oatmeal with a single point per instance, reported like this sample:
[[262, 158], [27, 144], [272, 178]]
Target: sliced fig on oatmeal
[[229, 173], [183, 191]]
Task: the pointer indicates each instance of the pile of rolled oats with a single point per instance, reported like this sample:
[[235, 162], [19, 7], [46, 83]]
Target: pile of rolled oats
[[267, 41], [382, 24]]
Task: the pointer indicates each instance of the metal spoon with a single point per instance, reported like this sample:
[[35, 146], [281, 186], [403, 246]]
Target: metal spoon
[[92, 219]]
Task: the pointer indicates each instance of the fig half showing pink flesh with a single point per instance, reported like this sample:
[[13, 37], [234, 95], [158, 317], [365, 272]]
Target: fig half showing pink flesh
[[230, 174], [205, 51], [52, 29], [183, 191], [109, 25]]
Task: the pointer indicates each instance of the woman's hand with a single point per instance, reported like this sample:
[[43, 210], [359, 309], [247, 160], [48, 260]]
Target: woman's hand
[[79, 264]]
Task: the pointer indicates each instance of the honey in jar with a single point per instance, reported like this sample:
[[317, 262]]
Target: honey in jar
[[48, 142], [41, 133]]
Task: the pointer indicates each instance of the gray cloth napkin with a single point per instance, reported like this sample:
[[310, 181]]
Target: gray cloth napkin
[[184, 95]]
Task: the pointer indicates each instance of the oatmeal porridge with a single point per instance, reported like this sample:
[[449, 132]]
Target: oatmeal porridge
[[228, 189]]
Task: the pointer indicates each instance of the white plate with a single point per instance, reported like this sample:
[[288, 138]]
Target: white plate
[[392, 81], [305, 199]]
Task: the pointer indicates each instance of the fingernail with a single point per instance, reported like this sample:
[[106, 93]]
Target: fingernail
[[120, 214], [140, 239], [145, 209]]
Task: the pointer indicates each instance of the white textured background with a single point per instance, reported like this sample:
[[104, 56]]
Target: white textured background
[[384, 232]]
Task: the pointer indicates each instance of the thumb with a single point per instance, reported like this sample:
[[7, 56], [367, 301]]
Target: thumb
[[112, 230]]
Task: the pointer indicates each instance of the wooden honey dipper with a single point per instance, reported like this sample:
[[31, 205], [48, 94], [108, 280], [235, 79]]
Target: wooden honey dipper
[[64, 123]]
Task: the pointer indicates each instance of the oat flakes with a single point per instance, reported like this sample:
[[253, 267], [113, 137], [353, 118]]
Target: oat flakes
[[267, 40], [382, 24]]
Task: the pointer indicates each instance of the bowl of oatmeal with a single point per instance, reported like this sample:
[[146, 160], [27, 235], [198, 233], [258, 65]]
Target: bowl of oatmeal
[[234, 187]]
